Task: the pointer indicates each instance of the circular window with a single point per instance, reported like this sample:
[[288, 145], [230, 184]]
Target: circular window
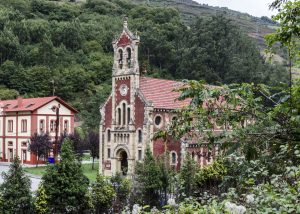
[[157, 120]]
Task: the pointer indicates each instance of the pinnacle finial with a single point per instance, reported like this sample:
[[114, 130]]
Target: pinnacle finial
[[125, 23]]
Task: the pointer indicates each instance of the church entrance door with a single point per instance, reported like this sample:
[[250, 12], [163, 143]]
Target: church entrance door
[[123, 161]]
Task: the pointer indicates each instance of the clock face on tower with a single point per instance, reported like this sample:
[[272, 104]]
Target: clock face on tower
[[123, 90]]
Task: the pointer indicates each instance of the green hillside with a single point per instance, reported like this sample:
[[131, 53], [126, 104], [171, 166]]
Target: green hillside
[[255, 27], [69, 43]]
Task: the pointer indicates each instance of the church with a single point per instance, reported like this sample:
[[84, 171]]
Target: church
[[138, 107]]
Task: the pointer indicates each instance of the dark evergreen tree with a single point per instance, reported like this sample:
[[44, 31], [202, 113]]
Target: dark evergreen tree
[[148, 177], [15, 190], [78, 144], [187, 176], [65, 185]]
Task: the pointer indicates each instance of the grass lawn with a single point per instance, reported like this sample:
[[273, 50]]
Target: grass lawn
[[87, 170]]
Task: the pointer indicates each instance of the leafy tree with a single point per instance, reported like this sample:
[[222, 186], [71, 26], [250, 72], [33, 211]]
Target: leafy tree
[[65, 185], [15, 190], [102, 194], [122, 187], [288, 32], [40, 145], [6, 94], [92, 141], [40, 204]]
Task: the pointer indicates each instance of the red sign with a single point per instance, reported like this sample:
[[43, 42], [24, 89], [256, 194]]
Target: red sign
[[107, 165]]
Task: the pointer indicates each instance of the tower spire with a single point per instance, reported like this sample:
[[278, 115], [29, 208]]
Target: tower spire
[[125, 22]]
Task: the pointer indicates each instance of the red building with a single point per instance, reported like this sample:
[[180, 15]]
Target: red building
[[21, 118]]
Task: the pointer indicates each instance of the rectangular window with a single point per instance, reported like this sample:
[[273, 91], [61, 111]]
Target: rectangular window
[[42, 125], [52, 125], [108, 135], [24, 155], [140, 136], [140, 154], [23, 125], [10, 143], [10, 126], [108, 153], [66, 126], [24, 144]]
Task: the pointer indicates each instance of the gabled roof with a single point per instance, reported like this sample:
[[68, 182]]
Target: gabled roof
[[161, 93], [126, 37], [32, 104]]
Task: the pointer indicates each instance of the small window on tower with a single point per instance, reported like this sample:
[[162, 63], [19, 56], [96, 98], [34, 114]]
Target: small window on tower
[[124, 113], [128, 115], [120, 59], [128, 57], [119, 116], [108, 135]]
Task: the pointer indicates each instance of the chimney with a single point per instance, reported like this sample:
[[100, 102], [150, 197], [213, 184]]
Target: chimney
[[20, 101]]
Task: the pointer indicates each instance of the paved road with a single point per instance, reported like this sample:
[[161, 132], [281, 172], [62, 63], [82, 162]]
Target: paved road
[[35, 180]]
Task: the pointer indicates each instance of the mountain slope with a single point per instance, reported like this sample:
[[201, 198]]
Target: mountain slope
[[255, 27]]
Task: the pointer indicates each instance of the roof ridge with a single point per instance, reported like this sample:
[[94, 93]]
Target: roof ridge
[[29, 98], [162, 79]]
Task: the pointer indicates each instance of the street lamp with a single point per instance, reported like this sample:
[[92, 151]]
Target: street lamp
[[56, 110]]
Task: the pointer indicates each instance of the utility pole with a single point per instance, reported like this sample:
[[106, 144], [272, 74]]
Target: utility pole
[[56, 110], [53, 88]]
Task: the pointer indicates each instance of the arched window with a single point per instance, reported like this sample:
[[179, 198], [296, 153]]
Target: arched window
[[119, 116], [124, 114], [173, 158], [120, 61], [128, 115], [108, 135], [140, 136], [128, 57]]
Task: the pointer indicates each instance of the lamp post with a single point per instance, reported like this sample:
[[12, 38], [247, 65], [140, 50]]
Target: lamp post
[[56, 110]]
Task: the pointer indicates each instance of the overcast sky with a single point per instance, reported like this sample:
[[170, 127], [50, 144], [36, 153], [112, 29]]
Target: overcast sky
[[253, 7]]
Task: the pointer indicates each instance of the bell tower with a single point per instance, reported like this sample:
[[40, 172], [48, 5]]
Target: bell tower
[[118, 123], [126, 53]]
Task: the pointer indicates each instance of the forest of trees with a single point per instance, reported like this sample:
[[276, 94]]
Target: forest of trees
[[65, 48], [257, 169]]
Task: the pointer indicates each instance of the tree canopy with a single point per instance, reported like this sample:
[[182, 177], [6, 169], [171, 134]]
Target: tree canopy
[[65, 48]]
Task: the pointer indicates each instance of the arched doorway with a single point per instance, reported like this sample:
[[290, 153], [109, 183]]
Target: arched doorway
[[122, 161]]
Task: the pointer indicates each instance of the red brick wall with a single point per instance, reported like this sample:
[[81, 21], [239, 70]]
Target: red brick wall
[[119, 97], [108, 113], [139, 112], [172, 145]]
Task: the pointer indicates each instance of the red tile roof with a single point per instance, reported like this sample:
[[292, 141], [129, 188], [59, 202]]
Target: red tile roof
[[31, 104], [161, 93]]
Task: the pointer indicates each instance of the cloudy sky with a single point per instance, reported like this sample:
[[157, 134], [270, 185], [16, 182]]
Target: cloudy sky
[[253, 7]]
